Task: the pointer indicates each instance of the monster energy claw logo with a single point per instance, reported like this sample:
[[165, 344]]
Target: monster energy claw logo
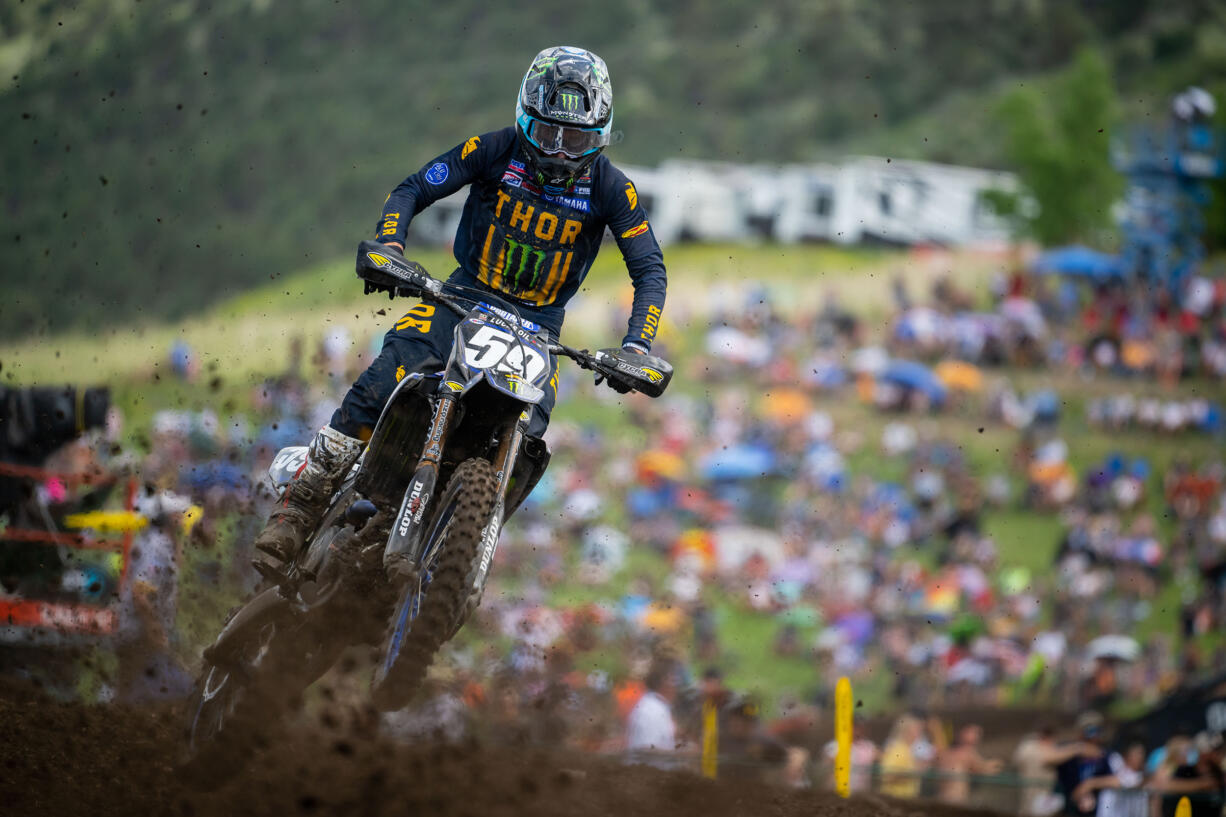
[[570, 101], [530, 261]]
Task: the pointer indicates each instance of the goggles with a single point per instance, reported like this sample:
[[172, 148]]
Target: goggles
[[574, 142]]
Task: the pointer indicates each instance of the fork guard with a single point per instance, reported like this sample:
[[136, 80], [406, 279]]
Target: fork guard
[[533, 459]]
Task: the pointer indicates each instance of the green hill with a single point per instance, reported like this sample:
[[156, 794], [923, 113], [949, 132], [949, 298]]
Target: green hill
[[158, 155]]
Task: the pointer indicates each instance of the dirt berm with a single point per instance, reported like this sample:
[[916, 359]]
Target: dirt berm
[[69, 759]]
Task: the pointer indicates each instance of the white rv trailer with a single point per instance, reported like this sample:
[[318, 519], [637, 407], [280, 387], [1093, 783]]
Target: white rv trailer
[[868, 198], [860, 199]]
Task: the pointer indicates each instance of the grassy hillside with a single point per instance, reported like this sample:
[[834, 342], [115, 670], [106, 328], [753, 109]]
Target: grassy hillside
[[246, 338], [159, 156]]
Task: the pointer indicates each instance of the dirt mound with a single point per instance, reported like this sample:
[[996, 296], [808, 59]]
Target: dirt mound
[[58, 758]]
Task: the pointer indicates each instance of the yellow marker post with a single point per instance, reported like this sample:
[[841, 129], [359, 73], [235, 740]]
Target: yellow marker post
[[842, 734], [710, 739], [1184, 809]]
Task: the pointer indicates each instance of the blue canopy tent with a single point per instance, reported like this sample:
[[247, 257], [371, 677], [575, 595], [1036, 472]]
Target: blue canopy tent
[[744, 461], [912, 375], [1081, 262]]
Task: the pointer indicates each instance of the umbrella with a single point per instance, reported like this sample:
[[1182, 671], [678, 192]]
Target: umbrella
[[1045, 404], [1116, 647], [1079, 261], [957, 374], [660, 463], [786, 405], [965, 627], [826, 374], [912, 375], [739, 462]]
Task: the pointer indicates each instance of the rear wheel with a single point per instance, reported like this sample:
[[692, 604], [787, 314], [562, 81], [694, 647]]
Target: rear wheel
[[431, 607], [268, 652], [230, 705]]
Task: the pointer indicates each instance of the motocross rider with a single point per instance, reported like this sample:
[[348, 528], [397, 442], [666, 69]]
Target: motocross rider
[[540, 197]]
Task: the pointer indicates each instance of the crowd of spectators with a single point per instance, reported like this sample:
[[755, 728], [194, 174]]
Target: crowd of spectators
[[690, 531], [1124, 327]]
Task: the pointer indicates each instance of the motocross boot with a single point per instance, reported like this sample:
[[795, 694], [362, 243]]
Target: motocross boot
[[329, 458]]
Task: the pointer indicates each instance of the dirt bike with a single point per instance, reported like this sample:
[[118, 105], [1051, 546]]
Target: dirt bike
[[395, 562]]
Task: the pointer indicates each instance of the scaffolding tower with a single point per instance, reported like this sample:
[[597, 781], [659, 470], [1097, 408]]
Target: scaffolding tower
[[1168, 169]]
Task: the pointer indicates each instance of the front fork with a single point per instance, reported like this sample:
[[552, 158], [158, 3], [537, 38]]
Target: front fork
[[402, 553], [508, 450]]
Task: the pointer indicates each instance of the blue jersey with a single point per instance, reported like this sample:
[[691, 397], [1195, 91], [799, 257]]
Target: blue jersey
[[527, 245]]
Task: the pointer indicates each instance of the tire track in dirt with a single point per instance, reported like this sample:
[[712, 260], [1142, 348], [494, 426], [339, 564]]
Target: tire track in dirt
[[64, 758]]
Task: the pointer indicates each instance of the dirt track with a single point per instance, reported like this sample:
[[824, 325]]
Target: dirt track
[[69, 759]]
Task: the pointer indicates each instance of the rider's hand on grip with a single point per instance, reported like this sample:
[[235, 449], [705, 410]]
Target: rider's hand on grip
[[630, 370], [382, 267], [614, 383], [607, 377]]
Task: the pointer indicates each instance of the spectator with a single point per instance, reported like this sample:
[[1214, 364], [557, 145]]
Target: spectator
[[1079, 761], [900, 766], [748, 753], [1119, 792], [1030, 758], [1202, 781], [148, 668], [650, 727], [962, 760]]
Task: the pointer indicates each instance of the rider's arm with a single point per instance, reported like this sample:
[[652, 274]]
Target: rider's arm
[[644, 261], [439, 178]]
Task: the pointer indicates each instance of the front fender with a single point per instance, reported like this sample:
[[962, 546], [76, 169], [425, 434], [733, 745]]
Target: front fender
[[514, 385]]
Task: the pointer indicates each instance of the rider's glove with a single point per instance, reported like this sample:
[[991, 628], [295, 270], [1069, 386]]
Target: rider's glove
[[615, 383], [420, 283], [412, 281]]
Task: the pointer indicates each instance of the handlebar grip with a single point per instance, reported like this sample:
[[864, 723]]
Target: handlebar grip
[[383, 268], [646, 374]]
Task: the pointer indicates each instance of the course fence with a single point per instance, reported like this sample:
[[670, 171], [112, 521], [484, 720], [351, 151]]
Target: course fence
[[1005, 793]]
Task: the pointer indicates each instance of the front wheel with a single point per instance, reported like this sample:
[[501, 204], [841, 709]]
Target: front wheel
[[430, 607]]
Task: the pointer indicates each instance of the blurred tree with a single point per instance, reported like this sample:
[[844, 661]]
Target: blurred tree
[[1058, 142], [157, 156], [1215, 213]]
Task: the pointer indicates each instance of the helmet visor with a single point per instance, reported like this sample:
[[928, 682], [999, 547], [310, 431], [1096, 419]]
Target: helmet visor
[[574, 142]]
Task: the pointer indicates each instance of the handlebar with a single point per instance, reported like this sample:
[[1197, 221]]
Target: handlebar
[[384, 269]]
